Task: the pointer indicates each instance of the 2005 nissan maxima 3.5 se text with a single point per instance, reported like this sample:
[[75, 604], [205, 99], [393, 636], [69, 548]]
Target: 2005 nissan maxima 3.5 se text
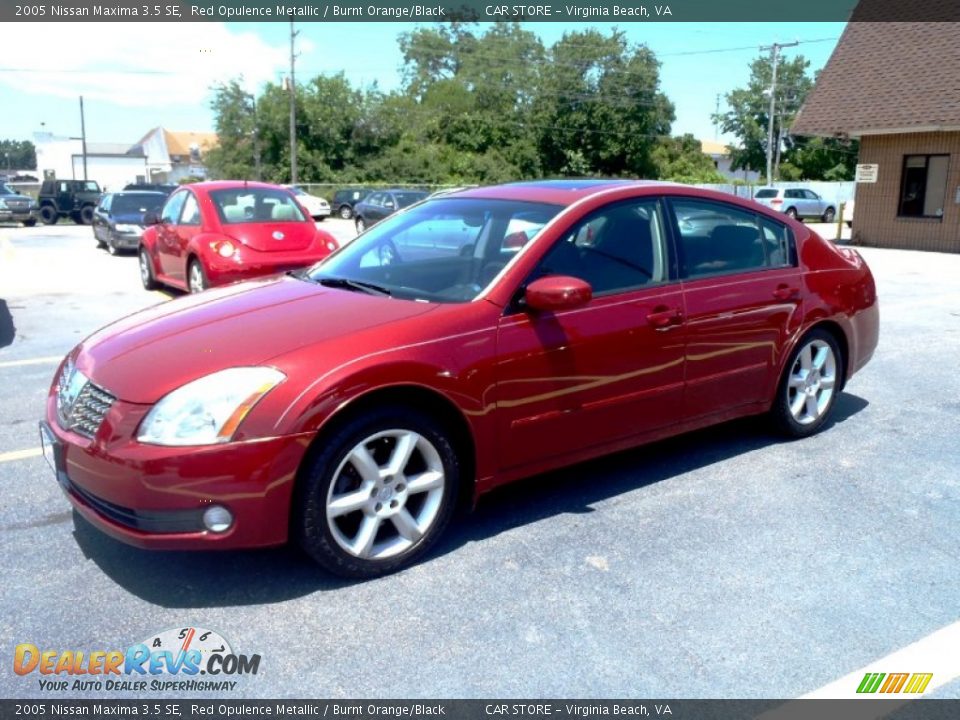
[[470, 340]]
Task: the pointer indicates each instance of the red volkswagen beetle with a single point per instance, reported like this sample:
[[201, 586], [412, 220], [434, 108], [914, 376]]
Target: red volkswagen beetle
[[351, 405], [214, 233]]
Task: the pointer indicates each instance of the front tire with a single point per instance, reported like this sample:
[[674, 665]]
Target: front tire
[[361, 225], [86, 215], [146, 271], [48, 215], [829, 215], [378, 494], [808, 389]]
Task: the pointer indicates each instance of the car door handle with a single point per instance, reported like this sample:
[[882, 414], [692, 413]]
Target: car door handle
[[664, 318], [785, 292]]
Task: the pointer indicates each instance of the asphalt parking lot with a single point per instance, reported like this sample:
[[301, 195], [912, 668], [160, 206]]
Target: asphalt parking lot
[[725, 563]]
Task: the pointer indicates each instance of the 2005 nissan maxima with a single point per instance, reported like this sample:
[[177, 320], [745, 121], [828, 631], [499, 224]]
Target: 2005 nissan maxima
[[463, 343]]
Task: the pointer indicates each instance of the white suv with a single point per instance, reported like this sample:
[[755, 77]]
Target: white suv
[[798, 203]]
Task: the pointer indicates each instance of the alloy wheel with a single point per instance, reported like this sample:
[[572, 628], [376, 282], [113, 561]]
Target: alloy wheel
[[812, 382], [386, 494], [196, 280]]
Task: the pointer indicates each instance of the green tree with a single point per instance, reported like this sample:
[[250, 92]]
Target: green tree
[[681, 159], [796, 158], [599, 106], [17, 155]]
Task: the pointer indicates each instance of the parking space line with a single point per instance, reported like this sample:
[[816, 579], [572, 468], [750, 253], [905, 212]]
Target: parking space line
[[32, 361], [936, 653], [934, 657], [20, 454]]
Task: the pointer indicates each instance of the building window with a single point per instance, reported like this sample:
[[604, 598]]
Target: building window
[[923, 186]]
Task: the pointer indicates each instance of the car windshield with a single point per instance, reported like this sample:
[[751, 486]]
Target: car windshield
[[256, 205], [405, 199], [6, 189], [769, 193], [445, 250], [133, 203]]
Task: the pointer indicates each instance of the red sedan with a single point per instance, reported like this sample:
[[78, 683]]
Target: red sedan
[[214, 233], [351, 405]]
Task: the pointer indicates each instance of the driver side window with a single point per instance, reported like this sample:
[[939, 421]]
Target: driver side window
[[617, 248], [171, 211]]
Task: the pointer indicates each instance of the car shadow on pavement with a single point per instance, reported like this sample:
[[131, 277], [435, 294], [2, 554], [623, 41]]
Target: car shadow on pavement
[[7, 329], [237, 578]]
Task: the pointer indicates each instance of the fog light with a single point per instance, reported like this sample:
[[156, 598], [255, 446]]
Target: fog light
[[217, 519]]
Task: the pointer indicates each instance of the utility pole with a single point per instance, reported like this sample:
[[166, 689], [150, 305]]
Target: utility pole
[[83, 138], [774, 57], [716, 120], [293, 107]]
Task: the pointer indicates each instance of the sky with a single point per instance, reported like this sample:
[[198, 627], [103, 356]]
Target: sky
[[138, 76]]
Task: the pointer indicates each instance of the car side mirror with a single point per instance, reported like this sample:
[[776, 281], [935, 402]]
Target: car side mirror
[[151, 218], [557, 292]]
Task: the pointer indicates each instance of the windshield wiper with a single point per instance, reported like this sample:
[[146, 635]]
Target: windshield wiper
[[348, 284]]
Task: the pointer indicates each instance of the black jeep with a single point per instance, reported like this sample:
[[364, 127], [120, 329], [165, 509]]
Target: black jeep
[[75, 199]]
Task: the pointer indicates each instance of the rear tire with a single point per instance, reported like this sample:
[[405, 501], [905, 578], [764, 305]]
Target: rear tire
[[48, 215], [829, 215], [792, 212], [809, 386], [345, 212], [86, 215], [146, 271], [378, 494]]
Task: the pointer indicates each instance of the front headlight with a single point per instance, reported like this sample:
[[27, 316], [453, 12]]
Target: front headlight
[[209, 410], [129, 229]]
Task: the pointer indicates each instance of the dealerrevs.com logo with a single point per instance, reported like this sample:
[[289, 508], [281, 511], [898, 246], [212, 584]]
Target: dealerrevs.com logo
[[173, 660]]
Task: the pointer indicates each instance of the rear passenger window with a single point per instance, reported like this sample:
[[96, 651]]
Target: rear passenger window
[[719, 238]]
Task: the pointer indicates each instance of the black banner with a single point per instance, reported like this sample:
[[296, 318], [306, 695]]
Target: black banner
[[854, 709], [618, 11]]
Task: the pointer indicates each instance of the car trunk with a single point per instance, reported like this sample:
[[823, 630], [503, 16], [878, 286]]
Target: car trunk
[[273, 236]]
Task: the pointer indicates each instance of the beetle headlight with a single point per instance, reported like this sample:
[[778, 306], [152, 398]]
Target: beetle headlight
[[209, 410]]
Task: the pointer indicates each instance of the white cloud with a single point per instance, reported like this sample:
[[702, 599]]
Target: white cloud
[[135, 64]]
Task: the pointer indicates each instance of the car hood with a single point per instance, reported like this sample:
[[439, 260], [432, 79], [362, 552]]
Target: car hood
[[146, 355]]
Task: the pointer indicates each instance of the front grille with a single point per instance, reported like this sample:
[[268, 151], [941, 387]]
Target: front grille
[[89, 410], [81, 410]]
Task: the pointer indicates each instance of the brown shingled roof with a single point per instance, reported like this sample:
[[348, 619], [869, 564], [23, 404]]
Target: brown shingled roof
[[887, 77]]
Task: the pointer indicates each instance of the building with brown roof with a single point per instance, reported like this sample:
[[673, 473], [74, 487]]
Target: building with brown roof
[[172, 156], [896, 87]]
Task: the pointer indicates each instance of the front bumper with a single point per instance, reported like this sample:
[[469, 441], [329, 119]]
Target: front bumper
[[17, 215], [154, 497], [126, 241]]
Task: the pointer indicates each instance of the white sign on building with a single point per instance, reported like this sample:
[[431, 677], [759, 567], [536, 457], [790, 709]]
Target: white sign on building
[[867, 172]]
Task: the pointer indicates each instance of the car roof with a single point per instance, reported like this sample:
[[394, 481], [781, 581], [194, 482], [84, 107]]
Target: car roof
[[555, 192], [209, 185]]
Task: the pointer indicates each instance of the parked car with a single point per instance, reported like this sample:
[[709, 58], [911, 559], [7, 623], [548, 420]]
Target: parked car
[[75, 199], [350, 406], [378, 205], [118, 220], [213, 233], [317, 207], [798, 203], [345, 200], [165, 188], [15, 207]]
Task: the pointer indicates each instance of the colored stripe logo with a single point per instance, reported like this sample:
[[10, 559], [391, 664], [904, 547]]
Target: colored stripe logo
[[914, 683]]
